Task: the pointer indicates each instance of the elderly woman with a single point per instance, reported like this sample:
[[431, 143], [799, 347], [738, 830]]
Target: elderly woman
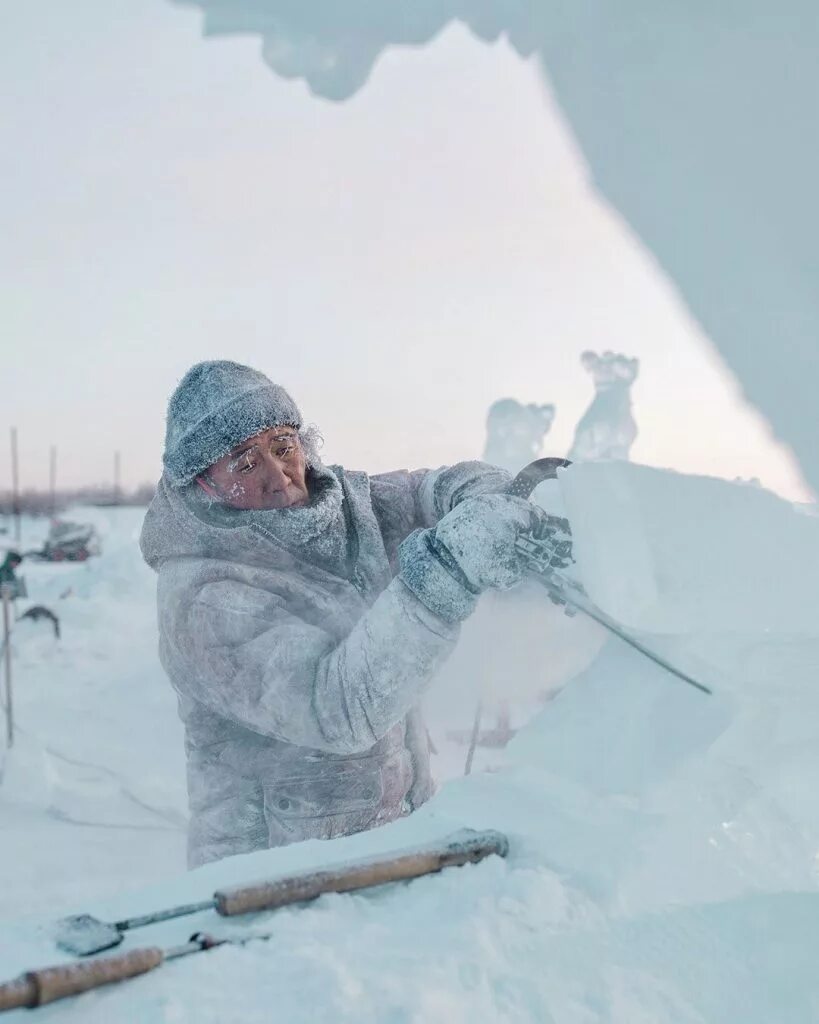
[[303, 609]]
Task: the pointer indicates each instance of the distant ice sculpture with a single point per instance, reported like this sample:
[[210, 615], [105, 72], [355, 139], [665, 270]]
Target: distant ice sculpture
[[607, 429], [514, 438], [515, 432]]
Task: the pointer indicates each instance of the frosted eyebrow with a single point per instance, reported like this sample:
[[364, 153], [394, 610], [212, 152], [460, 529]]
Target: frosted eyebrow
[[238, 453]]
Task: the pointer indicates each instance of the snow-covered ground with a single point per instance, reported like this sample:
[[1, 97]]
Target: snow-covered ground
[[663, 862], [93, 791]]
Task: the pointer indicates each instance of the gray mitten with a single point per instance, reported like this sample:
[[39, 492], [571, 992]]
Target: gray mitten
[[470, 550]]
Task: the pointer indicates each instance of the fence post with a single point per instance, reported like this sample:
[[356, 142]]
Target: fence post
[[52, 481], [5, 591], [15, 485]]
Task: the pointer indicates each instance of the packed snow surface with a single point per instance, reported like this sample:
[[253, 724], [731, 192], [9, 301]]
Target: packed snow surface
[[663, 861], [93, 791]]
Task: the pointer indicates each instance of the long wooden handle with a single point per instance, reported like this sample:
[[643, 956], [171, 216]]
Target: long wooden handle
[[463, 848], [35, 988]]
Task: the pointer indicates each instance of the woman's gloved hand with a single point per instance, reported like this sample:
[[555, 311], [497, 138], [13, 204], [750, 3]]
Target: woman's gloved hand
[[547, 548], [478, 538], [472, 549]]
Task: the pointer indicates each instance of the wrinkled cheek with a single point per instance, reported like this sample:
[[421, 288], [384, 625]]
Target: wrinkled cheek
[[255, 494]]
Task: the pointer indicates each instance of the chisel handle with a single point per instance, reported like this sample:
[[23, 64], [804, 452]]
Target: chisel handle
[[535, 473], [35, 988], [462, 848]]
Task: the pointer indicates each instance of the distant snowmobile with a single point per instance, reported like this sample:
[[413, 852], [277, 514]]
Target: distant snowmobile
[[68, 542]]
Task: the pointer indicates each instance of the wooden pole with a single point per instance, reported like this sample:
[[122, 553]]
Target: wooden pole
[[117, 497], [5, 591], [473, 739], [15, 486], [52, 480]]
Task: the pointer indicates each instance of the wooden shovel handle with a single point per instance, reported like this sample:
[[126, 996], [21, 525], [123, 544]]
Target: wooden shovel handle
[[35, 988], [464, 848]]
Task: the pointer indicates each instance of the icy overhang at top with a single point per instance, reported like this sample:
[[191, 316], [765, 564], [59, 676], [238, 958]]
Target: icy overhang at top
[[698, 121]]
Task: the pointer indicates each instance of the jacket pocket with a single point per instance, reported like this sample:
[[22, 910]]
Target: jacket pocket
[[322, 804]]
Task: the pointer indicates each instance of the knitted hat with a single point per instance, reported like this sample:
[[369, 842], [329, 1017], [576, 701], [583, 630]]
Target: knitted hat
[[216, 406]]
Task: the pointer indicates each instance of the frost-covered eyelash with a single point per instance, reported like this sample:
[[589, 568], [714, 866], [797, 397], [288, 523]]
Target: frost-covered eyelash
[[235, 465]]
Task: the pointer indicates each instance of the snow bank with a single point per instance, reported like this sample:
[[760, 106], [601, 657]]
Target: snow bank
[[663, 845]]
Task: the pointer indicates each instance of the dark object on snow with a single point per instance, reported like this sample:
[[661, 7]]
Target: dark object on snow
[[84, 934], [14, 585], [69, 542], [39, 611], [8, 567]]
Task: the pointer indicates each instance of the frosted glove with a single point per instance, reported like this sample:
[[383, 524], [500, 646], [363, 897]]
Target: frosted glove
[[471, 550], [547, 548], [479, 537]]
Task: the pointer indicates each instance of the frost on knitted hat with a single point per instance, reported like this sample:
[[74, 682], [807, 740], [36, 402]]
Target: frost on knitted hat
[[216, 406]]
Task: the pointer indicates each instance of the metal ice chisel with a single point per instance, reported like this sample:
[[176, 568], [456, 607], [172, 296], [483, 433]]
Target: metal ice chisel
[[566, 591]]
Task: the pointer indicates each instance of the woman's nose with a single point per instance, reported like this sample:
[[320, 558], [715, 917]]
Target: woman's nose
[[277, 479]]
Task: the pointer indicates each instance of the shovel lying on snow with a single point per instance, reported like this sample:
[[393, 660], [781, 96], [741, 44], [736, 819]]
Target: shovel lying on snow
[[46, 985], [83, 934]]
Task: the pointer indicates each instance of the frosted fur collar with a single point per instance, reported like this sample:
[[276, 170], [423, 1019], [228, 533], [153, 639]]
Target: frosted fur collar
[[318, 530], [336, 532]]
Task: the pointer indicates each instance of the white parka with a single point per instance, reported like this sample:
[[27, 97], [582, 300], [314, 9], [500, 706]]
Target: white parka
[[299, 656]]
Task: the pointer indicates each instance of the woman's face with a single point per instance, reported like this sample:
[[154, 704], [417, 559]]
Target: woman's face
[[267, 471]]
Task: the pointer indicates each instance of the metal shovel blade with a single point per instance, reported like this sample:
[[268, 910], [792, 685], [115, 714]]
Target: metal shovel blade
[[83, 935]]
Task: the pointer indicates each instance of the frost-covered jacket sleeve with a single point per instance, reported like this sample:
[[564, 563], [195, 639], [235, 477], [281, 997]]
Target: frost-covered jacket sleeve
[[406, 500], [237, 650]]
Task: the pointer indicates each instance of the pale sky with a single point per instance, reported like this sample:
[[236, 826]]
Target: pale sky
[[398, 261]]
